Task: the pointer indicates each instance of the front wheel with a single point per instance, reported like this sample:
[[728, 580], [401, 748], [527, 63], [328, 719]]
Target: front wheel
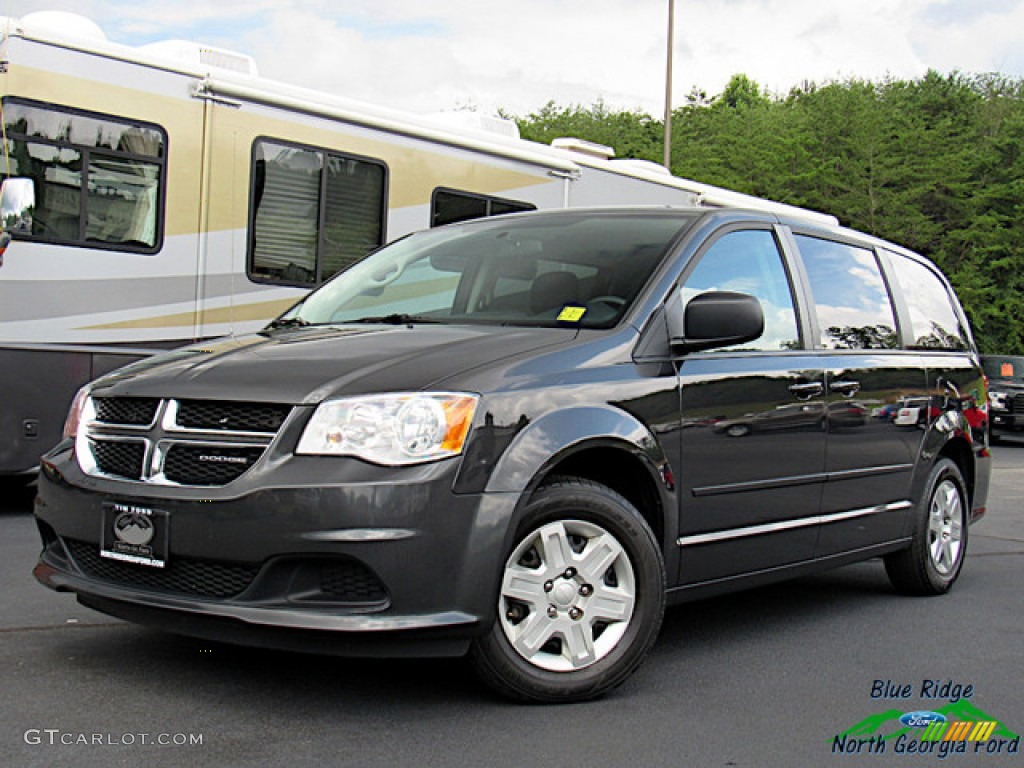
[[936, 554], [581, 598]]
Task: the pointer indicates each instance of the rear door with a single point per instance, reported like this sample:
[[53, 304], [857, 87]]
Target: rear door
[[871, 454]]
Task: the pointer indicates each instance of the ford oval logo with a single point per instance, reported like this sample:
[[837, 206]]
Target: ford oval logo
[[922, 719]]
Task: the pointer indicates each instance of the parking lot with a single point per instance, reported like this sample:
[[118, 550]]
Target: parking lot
[[769, 677]]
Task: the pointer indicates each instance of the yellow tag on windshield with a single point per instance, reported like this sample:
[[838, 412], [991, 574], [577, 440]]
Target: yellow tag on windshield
[[570, 314]]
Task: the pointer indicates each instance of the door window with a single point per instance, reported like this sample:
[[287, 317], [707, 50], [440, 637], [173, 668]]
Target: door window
[[852, 302], [749, 261]]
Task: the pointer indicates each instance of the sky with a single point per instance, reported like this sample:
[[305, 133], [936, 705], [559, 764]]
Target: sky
[[447, 55]]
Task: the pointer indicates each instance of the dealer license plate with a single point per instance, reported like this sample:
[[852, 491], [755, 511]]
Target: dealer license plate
[[135, 534]]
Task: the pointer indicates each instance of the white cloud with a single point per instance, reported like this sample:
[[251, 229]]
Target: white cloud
[[988, 39], [518, 56], [780, 44]]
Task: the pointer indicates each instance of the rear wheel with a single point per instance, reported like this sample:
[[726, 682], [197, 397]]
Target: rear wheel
[[933, 561], [581, 598]]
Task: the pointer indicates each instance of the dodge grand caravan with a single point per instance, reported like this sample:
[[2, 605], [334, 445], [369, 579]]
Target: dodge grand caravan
[[518, 438]]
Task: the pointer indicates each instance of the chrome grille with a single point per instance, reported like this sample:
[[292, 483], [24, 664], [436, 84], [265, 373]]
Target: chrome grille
[[1017, 403], [237, 417], [175, 442], [135, 411], [121, 458], [208, 464]]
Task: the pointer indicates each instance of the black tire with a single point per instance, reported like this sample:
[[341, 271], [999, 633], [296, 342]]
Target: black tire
[[563, 634], [936, 554], [16, 482]]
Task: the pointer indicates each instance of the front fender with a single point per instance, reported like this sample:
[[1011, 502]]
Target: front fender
[[539, 446], [549, 439]]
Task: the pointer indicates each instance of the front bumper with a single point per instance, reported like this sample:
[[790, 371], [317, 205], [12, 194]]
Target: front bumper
[[1005, 422], [322, 554]]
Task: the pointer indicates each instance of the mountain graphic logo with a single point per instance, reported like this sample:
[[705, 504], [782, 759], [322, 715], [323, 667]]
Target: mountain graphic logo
[[888, 724], [134, 529]]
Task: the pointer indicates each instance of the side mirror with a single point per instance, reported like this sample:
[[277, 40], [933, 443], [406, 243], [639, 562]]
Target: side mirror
[[17, 203], [719, 319]]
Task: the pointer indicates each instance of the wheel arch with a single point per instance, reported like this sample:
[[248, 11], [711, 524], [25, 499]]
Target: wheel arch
[[601, 444], [958, 450], [618, 468]]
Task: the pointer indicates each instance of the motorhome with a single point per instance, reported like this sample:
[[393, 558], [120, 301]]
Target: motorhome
[[158, 195]]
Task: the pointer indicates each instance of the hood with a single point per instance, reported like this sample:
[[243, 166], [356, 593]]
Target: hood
[[308, 365]]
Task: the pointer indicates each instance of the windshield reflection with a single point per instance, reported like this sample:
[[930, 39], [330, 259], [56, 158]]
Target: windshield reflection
[[534, 270]]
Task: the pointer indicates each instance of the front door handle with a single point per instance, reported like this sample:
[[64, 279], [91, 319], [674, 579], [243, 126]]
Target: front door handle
[[808, 390]]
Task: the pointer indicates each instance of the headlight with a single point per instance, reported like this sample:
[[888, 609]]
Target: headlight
[[75, 413], [391, 429], [998, 400]]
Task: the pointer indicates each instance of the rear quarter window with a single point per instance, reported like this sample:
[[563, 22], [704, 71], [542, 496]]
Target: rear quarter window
[[934, 321]]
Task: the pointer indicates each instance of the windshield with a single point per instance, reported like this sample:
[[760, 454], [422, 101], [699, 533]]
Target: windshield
[[548, 270]]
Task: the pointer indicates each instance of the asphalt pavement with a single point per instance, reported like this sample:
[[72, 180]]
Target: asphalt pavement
[[807, 673]]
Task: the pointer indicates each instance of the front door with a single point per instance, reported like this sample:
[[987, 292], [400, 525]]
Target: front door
[[754, 424]]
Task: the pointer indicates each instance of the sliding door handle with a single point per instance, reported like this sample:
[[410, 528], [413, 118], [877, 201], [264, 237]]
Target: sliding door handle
[[808, 390], [846, 388]]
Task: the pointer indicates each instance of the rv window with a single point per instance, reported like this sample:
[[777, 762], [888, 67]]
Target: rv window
[[314, 212], [449, 206], [98, 179]]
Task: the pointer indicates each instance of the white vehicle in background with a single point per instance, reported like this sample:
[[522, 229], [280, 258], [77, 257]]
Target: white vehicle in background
[[159, 195]]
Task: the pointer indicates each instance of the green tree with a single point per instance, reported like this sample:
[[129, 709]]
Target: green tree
[[631, 134], [935, 164]]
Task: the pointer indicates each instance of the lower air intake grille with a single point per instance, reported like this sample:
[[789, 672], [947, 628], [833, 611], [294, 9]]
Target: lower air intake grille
[[352, 582], [182, 576]]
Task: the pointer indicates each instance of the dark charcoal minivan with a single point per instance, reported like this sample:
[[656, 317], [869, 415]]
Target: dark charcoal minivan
[[519, 437]]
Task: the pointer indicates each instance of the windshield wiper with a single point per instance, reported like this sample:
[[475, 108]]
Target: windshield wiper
[[394, 319], [288, 322]]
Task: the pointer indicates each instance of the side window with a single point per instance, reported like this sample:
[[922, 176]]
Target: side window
[[97, 179], [749, 262], [850, 296], [314, 212], [449, 206], [933, 320]]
